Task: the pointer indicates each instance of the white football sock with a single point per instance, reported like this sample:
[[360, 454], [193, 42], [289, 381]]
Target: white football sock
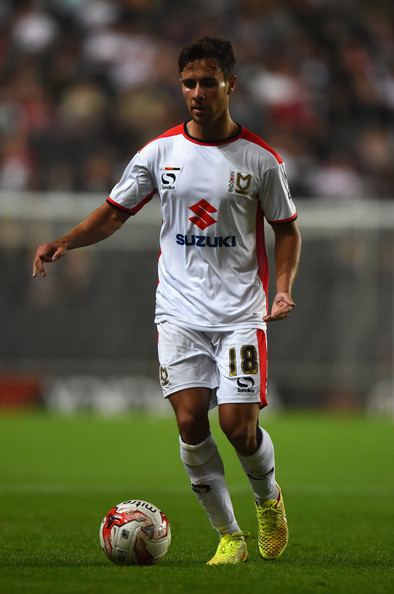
[[205, 468], [260, 469]]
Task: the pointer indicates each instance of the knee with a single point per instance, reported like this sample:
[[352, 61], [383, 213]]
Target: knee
[[191, 410], [193, 428], [186, 425], [241, 435]]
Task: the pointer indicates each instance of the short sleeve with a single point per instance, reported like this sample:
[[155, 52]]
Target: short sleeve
[[136, 186], [275, 196]]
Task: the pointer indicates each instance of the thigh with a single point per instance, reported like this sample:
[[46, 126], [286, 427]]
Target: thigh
[[186, 359], [242, 363]]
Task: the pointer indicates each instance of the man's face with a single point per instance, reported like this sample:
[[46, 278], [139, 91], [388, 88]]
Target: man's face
[[205, 90]]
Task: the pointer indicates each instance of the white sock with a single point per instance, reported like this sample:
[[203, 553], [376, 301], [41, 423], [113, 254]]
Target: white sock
[[205, 468], [260, 469]]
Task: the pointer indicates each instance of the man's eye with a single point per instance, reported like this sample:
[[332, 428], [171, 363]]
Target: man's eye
[[209, 83], [189, 84]]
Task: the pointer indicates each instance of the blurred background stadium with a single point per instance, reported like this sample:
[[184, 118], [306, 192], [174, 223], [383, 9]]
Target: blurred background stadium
[[84, 83]]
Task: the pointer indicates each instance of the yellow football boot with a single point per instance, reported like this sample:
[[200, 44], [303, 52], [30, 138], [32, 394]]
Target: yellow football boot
[[272, 525], [231, 550]]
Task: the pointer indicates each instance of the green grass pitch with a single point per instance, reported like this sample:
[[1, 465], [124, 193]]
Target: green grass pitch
[[59, 476]]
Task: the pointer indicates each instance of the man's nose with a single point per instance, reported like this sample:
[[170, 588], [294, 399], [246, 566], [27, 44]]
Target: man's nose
[[198, 91]]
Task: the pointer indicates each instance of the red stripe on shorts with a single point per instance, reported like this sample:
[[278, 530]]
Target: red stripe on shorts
[[262, 344]]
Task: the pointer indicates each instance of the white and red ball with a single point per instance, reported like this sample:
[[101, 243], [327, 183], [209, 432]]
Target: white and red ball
[[135, 532]]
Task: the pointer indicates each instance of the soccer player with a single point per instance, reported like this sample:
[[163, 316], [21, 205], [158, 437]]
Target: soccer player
[[216, 182]]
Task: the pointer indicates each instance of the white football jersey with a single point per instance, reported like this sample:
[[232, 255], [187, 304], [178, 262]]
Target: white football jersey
[[213, 271]]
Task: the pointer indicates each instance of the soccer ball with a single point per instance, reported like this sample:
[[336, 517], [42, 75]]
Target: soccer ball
[[135, 532]]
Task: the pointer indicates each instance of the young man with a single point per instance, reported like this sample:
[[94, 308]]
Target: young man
[[216, 182]]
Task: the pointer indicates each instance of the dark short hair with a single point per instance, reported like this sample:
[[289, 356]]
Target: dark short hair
[[209, 47]]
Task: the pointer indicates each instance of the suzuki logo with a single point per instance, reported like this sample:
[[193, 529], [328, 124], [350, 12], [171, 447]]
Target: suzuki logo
[[202, 219]]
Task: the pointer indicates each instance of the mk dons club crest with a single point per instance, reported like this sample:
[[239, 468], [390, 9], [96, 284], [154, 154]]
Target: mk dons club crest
[[239, 183]]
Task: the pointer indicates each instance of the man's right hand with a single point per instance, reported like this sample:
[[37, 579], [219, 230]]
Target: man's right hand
[[47, 252]]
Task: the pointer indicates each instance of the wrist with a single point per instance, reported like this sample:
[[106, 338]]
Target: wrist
[[64, 243]]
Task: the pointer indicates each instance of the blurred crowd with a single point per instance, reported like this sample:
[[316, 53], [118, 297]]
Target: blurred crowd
[[85, 83]]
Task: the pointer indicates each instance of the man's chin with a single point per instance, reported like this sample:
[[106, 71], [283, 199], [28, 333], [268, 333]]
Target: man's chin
[[199, 116]]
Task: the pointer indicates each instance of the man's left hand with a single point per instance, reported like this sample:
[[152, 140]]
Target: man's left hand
[[282, 306]]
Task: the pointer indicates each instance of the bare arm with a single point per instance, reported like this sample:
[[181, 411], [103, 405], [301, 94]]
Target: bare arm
[[287, 256], [99, 225]]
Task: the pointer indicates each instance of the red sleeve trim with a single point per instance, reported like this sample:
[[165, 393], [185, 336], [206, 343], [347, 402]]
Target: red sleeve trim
[[132, 211], [116, 205], [252, 137], [289, 220]]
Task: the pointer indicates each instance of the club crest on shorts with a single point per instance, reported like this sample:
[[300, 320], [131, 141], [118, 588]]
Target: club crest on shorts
[[164, 376]]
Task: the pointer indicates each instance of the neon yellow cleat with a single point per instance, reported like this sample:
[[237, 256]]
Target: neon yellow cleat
[[272, 525], [231, 550]]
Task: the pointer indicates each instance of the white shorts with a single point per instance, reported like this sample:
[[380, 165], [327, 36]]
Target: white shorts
[[232, 364]]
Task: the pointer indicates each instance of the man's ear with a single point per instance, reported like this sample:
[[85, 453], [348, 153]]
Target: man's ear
[[232, 81]]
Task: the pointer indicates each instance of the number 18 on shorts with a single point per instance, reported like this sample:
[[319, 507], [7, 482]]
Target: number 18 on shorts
[[234, 364]]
